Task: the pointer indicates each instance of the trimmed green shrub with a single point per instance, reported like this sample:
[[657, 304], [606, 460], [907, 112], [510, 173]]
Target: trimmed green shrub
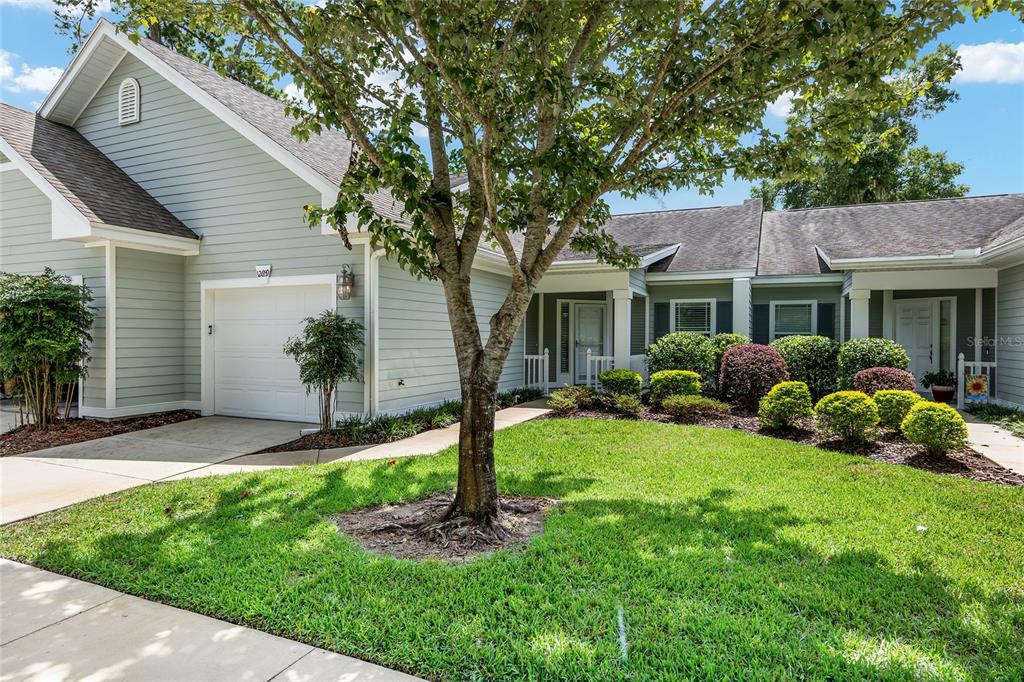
[[626, 403], [812, 360], [572, 398], [936, 426], [674, 382], [694, 408], [858, 354], [621, 381], [749, 371], [893, 406], [784, 404], [848, 415], [683, 350], [875, 379], [723, 342]]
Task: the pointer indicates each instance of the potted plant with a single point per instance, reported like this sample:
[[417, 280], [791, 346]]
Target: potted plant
[[942, 383]]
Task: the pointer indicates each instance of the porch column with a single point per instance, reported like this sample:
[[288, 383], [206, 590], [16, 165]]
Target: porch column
[[979, 310], [741, 306], [859, 312], [621, 323], [888, 315]]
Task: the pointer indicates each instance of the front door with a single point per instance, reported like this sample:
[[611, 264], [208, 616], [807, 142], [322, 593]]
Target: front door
[[917, 330], [589, 335]]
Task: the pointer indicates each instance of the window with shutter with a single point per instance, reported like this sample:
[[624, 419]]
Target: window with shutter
[[694, 316], [793, 318], [128, 102]]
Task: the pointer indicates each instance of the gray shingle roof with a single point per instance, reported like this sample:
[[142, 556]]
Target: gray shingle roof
[[911, 228], [84, 176]]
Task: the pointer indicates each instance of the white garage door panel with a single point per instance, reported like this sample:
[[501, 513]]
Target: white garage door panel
[[252, 375]]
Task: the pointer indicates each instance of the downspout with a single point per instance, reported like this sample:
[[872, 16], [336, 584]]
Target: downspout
[[371, 352]]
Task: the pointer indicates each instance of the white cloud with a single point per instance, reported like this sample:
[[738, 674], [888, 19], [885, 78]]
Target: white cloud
[[996, 62], [26, 78], [782, 106]]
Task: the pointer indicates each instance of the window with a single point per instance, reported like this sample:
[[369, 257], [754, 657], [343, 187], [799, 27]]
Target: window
[[128, 102], [694, 315], [793, 318]]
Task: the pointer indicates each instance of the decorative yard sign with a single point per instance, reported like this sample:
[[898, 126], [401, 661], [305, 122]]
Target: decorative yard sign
[[263, 272], [976, 386]]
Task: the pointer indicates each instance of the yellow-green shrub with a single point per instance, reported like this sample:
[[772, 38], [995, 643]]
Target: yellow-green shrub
[[936, 426], [674, 382], [848, 415], [694, 408], [893, 406], [784, 404]]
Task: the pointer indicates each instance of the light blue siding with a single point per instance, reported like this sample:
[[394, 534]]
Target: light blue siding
[[1010, 335]]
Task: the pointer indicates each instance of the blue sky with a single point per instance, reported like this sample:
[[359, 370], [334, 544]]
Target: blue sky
[[984, 129]]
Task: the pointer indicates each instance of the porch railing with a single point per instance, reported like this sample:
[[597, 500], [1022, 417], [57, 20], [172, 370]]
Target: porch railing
[[537, 371], [597, 364], [971, 367]]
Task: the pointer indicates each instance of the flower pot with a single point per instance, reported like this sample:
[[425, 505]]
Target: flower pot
[[943, 394]]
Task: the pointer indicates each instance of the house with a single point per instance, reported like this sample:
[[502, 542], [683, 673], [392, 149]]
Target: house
[[177, 195]]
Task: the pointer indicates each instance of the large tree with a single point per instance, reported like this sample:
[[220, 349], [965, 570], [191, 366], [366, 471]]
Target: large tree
[[549, 106], [885, 164]]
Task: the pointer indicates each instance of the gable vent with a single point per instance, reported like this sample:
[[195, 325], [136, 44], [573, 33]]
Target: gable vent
[[128, 102]]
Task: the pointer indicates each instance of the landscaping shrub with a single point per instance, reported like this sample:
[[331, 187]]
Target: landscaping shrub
[[893, 406], [875, 379], [848, 415], [516, 396], [812, 360], [572, 398], [858, 354], [683, 350], [694, 408], [674, 382], [723, 342], [749, 371], [621, 381], [626, 403], [784, 404], [936, 426]]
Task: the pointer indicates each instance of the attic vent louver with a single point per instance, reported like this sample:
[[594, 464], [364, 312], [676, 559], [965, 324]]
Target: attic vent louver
[[128, 102]]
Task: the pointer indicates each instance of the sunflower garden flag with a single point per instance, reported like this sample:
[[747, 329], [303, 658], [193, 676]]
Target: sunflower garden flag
[[976, 386]]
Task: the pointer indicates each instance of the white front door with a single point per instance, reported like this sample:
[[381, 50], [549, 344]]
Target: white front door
[[252, 375], [589, 334], [917, 330]]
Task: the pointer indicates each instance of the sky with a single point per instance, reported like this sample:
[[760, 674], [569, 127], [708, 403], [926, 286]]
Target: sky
[[984, 129]]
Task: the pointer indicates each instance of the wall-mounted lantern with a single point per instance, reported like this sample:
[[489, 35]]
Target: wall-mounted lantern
[[346, 282]]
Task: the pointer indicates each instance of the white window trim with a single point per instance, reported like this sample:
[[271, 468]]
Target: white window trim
[[134, 117], [771, 316], [672, 312]]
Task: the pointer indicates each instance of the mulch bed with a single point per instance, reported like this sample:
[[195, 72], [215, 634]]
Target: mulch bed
[[889, 447], [28, 438], [404, 531], [321, 440]]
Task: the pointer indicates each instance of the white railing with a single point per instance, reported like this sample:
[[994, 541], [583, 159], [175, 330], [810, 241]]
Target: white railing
[[965, 367], [597, 364], [537, 371]]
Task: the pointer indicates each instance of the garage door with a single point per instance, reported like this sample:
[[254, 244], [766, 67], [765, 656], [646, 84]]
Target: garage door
[[252, 375]]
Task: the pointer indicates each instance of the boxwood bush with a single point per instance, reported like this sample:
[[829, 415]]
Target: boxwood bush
[[848, 415], [692, 409], [749, 371], [683, 350], [936, 426], [784, 404], [875, 379], [626, 404], [621, 381], [812, 360], [858, 354], [893, 406], [670, 382]]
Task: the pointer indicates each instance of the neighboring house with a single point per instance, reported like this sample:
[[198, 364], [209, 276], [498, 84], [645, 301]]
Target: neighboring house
[[177, 196]]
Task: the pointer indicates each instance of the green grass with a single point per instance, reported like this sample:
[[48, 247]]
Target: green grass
[[1008, 418], [732, 556]]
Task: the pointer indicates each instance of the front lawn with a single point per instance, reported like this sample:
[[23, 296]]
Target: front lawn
[[731, 555]]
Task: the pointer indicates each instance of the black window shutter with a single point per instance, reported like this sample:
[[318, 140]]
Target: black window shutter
[[827, 320], [760, 323], [660, 320], [723, 317]]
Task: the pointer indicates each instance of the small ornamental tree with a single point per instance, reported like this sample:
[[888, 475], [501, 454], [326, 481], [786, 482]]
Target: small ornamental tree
[[327, 354], [749, 371], [44, 339], [548, 107]]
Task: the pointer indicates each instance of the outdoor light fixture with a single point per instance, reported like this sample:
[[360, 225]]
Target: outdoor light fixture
[[346, 282]]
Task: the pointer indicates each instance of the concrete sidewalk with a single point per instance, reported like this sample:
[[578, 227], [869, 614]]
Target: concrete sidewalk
[[58, 628], [995, 443]]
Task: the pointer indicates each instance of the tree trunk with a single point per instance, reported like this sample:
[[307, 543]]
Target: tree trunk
[[477, 493]]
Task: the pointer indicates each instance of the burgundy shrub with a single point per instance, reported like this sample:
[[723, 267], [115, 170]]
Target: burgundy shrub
[[876, 379], [749, 371]]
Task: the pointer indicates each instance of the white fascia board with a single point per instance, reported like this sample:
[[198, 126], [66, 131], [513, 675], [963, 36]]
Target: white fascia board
[[80, 59], [790, 280], [911, 279], [144, 241], [658, 255], [708, 276], [1010, 253], [823, 256], [67, 222], [966, 257]]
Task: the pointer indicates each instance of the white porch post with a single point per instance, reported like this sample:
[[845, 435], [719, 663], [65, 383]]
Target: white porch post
[[859, 311], [741, 306], [888, 318], [979, 310], [621, 326]]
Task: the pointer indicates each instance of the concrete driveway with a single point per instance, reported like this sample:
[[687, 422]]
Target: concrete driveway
[[49, 479]]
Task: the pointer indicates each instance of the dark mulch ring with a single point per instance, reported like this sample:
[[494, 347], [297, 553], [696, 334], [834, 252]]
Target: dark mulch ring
[[68, 431], [888, 447], [409, 530], [320, 440]]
